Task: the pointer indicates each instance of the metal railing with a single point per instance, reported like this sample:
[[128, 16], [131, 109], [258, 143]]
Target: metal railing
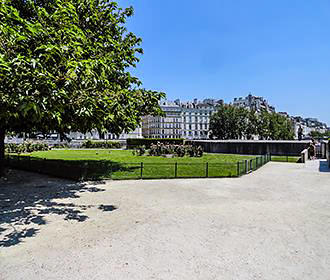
[[96, 170]]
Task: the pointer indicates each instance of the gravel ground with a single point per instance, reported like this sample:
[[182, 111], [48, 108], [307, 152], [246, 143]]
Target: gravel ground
[[272, 224]]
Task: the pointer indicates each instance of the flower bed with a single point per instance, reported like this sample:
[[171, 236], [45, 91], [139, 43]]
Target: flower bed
[[161, 149]]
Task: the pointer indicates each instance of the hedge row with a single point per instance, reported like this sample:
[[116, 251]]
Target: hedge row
[[26, 147], [147, 142], [101, 145]]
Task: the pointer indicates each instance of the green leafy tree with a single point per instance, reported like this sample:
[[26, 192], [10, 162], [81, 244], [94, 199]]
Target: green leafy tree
[[252, 124], [64, 66], [229, 122], [319, 135], [263, 126], [278, 127]]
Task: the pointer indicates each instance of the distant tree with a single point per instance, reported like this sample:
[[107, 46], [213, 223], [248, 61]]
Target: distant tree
[[64, 66], [263, 126], [319, 135], [274, 126], [229, 122], [252, 124]]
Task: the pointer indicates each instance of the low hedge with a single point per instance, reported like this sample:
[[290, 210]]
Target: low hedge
[[101, 145], [26, 147], [147, 142]]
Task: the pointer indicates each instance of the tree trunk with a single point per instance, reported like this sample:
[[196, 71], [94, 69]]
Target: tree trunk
[[2, 152]]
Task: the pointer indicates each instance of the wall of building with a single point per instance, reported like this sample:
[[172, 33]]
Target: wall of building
[[249, 147], [94, 135], [189, 120]]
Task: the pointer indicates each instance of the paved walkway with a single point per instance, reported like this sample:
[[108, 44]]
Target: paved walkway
[[272, 224]]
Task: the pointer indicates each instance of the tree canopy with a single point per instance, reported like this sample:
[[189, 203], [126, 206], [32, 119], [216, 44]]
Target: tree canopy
[[231, 122], [65, 66], [319, 135]]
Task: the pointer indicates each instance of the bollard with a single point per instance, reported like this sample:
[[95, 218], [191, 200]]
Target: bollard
[[111, 170]]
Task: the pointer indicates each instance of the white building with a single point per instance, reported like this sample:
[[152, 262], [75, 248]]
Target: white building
[[308, 125], [189, 120], [168, 126], [94, 135], [255, 103]]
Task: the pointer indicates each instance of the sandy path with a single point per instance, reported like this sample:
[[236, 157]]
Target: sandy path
[[272, 224]]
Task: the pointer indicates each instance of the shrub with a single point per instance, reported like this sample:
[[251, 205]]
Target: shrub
[[101, 144], [26, 147], [195, 151], [139, 151], [160, 149], [147, 142]]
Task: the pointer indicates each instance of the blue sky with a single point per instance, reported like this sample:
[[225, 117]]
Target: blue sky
[[277, 49]]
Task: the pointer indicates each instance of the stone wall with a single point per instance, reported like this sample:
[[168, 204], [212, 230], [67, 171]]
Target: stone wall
[[253, 147]]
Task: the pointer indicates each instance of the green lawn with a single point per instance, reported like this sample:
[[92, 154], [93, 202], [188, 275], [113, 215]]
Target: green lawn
[[291, 159], [122, 164], [127, 156]]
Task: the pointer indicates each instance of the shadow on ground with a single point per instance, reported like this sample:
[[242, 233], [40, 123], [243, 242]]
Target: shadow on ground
[[324, 166], [27, 198], [77, 170]]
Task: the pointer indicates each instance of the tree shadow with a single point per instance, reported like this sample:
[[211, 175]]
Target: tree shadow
[[26, 199], [324, 166], [78, 170]]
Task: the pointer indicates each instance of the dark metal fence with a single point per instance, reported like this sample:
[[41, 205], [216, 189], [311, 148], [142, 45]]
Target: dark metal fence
[[96, 170]]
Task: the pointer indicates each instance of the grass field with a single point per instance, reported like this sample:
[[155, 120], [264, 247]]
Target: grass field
[[126, 156], [292, 159], [122, 164]]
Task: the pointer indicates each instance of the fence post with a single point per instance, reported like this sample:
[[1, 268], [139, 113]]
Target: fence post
[[141, 170], [238, 169], [111, 170], [246, 166], [176, 170], [83, 171], [29, 163], [207, 170]]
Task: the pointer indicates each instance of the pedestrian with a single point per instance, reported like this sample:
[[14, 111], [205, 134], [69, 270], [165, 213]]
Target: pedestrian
[[300, 133], [311, 149]]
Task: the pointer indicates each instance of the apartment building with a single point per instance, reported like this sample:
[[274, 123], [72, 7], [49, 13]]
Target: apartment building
[[168, 126], [256, 103], [94, 135], [189, 120], [308, 125]]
